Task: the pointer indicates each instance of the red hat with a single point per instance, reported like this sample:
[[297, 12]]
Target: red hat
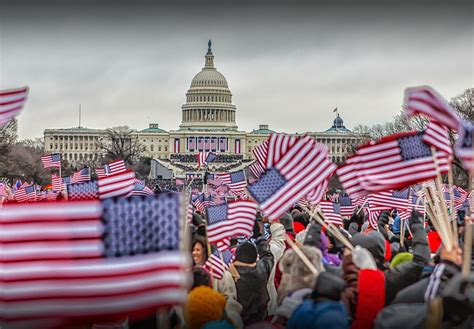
[[298, 227]]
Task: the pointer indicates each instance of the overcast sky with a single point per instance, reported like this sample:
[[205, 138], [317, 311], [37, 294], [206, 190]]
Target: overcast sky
[[287, 66]]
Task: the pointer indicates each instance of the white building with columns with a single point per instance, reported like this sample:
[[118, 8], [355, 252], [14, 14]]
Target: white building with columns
[[208, 124]]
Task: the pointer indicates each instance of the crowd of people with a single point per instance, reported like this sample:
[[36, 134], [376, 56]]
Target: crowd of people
[[384, 281], [224, 158]]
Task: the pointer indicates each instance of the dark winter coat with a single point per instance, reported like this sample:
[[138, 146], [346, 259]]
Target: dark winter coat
[[252, 291], [427, 288]]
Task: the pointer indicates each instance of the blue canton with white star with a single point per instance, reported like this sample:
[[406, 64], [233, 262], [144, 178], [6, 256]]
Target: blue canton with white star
[[268, 184], [216, 214], [413, 147], [141, 225], [83, 191]]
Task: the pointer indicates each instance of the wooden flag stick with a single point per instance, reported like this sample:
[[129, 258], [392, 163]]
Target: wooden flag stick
[[319, 217], [466, 266], [301, 255], [361, 207], [435, 216], [444, 215]]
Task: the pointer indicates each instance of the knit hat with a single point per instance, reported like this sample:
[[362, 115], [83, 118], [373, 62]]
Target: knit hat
[[373, 242], [204, 305], [403, 257], [287, 221], [246, 253]]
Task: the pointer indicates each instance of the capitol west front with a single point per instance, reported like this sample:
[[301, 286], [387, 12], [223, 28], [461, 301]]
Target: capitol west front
[[208, 124]]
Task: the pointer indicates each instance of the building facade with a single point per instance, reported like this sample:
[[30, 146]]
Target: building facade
[[208, 124]]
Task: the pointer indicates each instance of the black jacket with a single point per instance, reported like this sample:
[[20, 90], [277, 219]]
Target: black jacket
[[252, 291], [409, 273], [427, 288]]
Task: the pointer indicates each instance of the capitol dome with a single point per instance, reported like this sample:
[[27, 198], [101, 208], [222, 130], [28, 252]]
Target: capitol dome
[[208, 100], [209, 78]]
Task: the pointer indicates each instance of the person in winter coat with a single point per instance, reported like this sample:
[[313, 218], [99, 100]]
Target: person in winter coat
[[323, 309], [252, 291], [277, 248], [429, 288], [402, 276], [295, 274]]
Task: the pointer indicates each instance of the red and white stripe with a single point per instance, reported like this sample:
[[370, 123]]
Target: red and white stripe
[[330, 216], [379, 166], [117, 167], [115, 185], [256, 169], [278, 145], [425, 100], [240, 221], [12, 102], [387, 201], [47, 275], [304, 166], [260, 153], [216, 266], [101, 172]]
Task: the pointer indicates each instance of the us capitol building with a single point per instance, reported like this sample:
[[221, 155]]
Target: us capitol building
[[208, 124]]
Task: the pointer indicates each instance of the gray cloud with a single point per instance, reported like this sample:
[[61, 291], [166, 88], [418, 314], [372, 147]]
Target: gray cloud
[[286, 66]]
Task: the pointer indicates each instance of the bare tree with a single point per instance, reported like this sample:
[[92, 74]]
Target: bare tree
[[120, 143]]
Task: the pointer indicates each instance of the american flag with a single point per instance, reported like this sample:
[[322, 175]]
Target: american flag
[[115, 167], [115, 185], [51, 160], [83, 175], [374, 214], [12, 102], [213, 180], [51, 195], [141, 189], [223, 177], [425, 100], [83, 191], [201, 202], [205, 157], [464, 146], [346, 206], [256, 169], [260, 153], [388, 200], [239, 194], [332, 212], [238, 182], [314, 197], [236, 218], [79, 260], [396, 162], [191, 143], [299, 171], [218, 266], [101, 172], [459, 196], [278, 145], [213, 143], [25, 193], [415, 204], [56, 182], [200, 143], [223, 144]]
